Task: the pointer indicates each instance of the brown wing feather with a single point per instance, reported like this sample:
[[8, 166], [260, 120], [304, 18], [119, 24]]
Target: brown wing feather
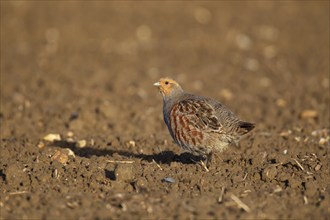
[[201, 115]]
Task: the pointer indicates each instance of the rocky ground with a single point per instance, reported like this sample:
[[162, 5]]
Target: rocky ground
[[82, 134]]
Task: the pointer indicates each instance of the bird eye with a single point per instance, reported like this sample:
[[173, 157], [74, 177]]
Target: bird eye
[[166, 82]]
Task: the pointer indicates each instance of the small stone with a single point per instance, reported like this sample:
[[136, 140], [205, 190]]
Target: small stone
[[280, 102], [323, 141], [70, 152], [70, 140], [60, 157], [52, 137], [131, 143], [321, 132], [298, 139], [285, 151], [168, 180], [41, 145], [309, 114], [317, 167], [124, 172], [285, 133], [69, 134], [278, 189], [82, 143]]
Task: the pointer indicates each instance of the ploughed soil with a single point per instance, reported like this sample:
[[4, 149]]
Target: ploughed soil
[[82, 133]]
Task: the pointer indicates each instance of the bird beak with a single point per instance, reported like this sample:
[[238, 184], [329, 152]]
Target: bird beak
[[157, 84]]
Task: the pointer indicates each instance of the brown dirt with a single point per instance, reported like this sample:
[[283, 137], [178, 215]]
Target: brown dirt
[[88, 68]]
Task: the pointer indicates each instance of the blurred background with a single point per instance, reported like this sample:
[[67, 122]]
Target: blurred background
[[88, 68], [263, 59]]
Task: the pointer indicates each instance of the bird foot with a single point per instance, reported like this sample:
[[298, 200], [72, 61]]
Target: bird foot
[[204, 166], [202, 163]]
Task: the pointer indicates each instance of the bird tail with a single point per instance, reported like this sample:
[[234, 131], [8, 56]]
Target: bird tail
[[245, 127]]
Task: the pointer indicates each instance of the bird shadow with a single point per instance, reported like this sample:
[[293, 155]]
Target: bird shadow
[[164, 157]]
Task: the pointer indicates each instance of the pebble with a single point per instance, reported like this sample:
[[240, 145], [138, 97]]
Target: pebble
[[70, 152], [131, 143], [317, 167], [309, 114], [82, 143], [278, 189], [41, 145], [280, 102], [323, 141], [124, 172], [168, 180], [60, 157], [285, 133], [52, 137], [70, 134], [321, 132]]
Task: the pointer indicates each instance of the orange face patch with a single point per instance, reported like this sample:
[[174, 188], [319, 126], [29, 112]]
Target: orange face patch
[[166, 86]]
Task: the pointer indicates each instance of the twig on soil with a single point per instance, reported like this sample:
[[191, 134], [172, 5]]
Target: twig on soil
[[221, 195], [157, 165], [305, 200], [245, 176], [120, 161], [240, 203], [301, 167], [17, 193]]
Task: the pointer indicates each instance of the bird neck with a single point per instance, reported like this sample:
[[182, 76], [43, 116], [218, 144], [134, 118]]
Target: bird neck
[[173, 97]]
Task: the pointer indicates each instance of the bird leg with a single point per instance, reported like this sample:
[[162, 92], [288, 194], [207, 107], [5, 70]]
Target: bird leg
[[203, 163], [208, 160]]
